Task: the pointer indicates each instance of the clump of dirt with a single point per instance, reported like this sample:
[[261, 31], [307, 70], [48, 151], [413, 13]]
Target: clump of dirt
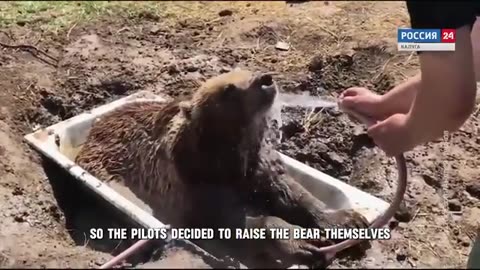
[[331, 74], [265, 33], [307, 138], [94, 71]]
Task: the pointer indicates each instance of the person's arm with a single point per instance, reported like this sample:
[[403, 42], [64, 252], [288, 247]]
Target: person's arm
[[446, 97], [400, 98], [447, 89]]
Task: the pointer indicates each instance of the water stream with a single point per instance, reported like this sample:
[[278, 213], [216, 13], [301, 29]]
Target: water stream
[[303, 100]]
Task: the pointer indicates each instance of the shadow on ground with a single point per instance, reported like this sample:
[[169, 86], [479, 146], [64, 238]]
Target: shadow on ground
[[85, 210]]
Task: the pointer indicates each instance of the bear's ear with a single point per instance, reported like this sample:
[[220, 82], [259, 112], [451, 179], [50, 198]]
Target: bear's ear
[[186, 108]]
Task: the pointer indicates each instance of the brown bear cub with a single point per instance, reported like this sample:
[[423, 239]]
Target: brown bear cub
[[203, 162]]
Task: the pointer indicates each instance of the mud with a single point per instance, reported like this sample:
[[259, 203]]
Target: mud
[[44, 217]]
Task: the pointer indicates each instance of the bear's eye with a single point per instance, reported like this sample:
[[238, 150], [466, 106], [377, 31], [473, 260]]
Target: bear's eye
[[229, 91]]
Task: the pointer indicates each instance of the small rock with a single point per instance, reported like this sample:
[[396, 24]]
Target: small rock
[[191, 68], [8, 168], [282, 46], [19, 219], [401, 257], [225, 69], [155, 30], [332, 111], [402, 225], [466, 241], [454, 205], [336, 158], [173, 69], [393, 224], [17, 191], [225, 12], [403, 214], [316, 64], [431, 181], [474, 190], [361, 139]]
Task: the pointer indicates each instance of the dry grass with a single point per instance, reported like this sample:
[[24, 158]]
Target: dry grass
[[55, 14], [329, 31]]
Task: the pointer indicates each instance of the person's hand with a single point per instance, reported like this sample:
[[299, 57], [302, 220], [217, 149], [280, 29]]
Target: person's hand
[[364, 102], [393, 135]]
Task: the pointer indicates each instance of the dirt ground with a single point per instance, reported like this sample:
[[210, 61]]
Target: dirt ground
[[333, 46]]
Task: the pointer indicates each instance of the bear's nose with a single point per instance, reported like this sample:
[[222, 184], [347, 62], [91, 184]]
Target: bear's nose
[[265, 83], [265, 80]]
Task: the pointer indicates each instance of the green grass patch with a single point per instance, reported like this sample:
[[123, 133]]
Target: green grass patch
[[50, 15], [56, 15]]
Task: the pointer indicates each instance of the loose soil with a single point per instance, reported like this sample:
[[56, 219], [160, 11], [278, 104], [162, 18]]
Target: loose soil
[[333, 46]]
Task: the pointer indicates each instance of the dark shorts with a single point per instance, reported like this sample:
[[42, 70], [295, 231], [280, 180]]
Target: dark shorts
[[442, 14]]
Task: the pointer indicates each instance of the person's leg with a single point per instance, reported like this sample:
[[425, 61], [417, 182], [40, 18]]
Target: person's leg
[[474, 257], [475, 36]]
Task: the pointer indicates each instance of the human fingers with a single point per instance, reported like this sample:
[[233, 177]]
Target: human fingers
[[377, 133], [361, 105], [349, 101], [353, 91]]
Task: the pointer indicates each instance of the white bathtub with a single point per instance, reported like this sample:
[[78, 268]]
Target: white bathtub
[[71, 134]]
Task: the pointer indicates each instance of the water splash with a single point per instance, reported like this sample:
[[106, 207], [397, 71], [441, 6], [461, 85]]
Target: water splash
[[275, 122], [303, 100]]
